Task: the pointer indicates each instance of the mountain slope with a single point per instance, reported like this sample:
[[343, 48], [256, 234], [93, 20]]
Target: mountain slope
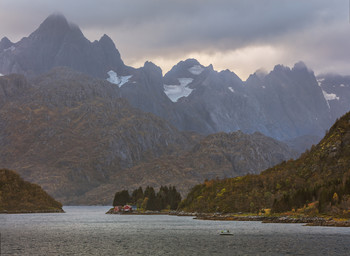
[[320, 175], [17, 195], [70, 133], [216, 156], [336, 90]]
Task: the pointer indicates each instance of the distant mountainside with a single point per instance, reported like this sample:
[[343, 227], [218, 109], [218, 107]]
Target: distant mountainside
[[19, 196], [286, 104], [69, 132], [218, 155], [336, 90], [319, 181]]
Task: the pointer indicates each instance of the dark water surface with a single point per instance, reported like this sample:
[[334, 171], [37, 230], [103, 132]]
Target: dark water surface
[[88, 231]]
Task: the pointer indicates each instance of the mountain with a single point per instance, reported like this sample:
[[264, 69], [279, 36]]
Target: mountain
[[218, 155], [19, 196], [286, 104], [59, 43], [76, 137], [317, 182], [70, 133], [336, 90]]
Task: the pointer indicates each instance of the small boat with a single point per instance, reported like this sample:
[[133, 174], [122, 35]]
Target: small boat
[[225, 232]]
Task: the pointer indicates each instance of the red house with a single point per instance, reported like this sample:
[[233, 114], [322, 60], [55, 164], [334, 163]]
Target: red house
[[127, 208]]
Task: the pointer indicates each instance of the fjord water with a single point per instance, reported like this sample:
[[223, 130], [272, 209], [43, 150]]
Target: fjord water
[[89, 231]]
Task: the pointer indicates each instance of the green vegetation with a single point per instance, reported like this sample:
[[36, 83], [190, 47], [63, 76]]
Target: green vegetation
[[316, 183], [17, 195], [166, 198]]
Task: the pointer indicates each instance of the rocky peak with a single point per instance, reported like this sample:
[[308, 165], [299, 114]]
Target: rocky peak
[[106, 41], [55, 24], [151, 67], [300, 66], [5, 43]]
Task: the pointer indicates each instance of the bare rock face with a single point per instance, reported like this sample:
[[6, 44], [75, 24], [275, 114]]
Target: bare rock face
[[69, 132], [336, 90], [220, 155]]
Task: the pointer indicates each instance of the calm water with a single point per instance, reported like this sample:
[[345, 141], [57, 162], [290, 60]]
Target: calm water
[[88, 231]]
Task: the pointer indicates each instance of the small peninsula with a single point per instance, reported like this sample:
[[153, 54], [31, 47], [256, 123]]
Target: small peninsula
[[19, 196]]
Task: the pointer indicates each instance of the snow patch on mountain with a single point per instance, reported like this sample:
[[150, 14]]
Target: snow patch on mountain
[[319, 81], [196, 70], [175, 92], [118, 80], [329, 96], [231, 89], [1, 74]]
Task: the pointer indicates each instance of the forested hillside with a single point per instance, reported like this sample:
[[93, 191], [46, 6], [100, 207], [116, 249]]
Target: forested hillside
[[318, 182]]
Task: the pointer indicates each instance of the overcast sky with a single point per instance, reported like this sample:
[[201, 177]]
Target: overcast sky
[[240, 35]]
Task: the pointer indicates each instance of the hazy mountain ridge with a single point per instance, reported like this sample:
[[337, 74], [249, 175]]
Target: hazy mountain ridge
[[285, 104], [59, 43]]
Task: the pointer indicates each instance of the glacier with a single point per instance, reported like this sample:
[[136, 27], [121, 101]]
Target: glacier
[[118, 80], [175, 92]]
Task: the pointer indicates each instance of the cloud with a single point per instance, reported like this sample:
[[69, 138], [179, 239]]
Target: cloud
[[316, 31]]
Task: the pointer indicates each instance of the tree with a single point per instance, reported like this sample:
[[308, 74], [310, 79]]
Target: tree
[[152, 203], [137, 195], [121, 198]]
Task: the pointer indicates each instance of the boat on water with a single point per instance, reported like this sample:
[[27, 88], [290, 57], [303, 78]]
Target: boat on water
[[225, 232]]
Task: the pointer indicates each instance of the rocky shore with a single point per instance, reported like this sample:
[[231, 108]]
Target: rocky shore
[[111, 211], [309, 221]]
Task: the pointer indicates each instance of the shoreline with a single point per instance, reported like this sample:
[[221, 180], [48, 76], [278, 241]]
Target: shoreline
[[308, 221]]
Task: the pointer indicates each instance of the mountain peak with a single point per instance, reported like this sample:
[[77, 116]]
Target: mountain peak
[[5, 43], [301, 66], [55, 20], [107, 41], [56, 26]]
